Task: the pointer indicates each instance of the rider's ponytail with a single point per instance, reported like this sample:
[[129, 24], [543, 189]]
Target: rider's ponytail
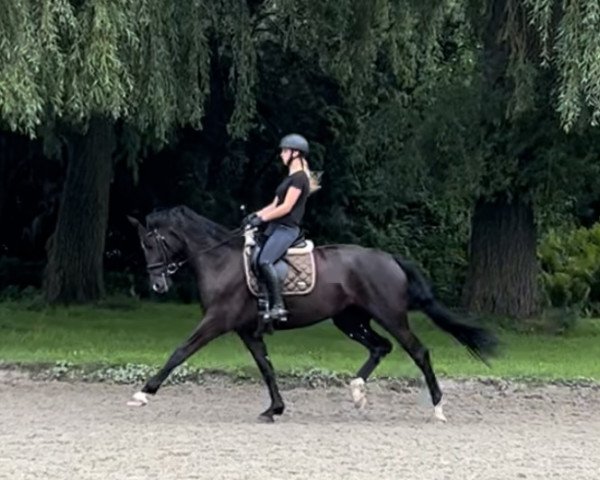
[[314, 178]]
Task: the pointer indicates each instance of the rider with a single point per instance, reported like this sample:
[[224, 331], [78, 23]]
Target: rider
[[283, 216]]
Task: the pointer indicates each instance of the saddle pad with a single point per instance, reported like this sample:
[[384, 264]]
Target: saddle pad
[[300, 278]]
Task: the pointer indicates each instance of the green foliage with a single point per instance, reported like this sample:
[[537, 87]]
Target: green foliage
[[559, 321], [145, 62], [19, 274], [570, 262], [124, 374], [390, 93], [22, 294], [21, 102], [365, 45], [433, 235], [236, 25], [125, 345], [561, 36]]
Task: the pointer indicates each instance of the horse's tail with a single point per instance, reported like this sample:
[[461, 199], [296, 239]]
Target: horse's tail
[[480, 342]]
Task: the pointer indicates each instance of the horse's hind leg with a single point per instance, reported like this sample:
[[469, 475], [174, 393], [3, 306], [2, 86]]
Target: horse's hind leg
[[399, 329], [354, 322], [258, 350]]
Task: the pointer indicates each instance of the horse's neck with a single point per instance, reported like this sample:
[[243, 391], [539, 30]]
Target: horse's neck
[[212, 267]]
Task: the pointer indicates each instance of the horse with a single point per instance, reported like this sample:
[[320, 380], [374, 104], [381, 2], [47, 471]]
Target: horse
[[355, 285]]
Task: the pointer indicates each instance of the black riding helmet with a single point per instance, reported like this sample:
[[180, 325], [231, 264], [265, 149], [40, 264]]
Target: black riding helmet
[[294, 141]]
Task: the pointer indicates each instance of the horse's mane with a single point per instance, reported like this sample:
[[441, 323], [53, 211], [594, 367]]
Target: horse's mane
[[185, 218]]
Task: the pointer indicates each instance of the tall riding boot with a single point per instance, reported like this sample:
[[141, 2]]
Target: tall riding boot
[[278, 311]]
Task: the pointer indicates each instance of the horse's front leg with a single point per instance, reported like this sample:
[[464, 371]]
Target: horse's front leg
[[210, 328], [258, 349]]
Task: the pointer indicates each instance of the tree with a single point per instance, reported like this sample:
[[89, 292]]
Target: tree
[[87, 75], [415, 110], [519, 67], [519, 159]]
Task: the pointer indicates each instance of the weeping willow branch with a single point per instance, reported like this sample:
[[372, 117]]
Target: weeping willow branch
[[568, 34]]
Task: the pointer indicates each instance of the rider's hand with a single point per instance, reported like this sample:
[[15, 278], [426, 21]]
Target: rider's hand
[[255, 221], [247, 218], [252, 221]]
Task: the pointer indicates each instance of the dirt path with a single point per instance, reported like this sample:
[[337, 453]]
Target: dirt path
[[58, 430]]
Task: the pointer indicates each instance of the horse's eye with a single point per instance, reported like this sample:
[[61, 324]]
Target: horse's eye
[[172, 268]]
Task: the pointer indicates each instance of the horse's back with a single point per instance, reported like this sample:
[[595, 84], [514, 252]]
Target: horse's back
[[351, 259]]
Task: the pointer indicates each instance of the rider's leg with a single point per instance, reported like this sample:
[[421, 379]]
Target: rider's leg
[[273, 285], [276, 245]]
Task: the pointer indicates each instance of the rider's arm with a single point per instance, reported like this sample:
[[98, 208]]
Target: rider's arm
[[291, 197]]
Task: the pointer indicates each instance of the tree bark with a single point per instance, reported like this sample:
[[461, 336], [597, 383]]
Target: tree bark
[[74, 273], [502, 276]]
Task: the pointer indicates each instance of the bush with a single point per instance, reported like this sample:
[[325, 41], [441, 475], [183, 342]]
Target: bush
[[436, 239], [570, 269], [135, 285], [19, 274], [551, 321]]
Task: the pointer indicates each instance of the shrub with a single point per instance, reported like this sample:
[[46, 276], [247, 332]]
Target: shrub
[[570, 269]]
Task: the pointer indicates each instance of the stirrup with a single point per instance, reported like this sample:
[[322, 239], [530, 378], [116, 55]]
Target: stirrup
[[278, 313]]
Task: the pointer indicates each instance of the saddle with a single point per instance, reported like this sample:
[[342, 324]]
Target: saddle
[[296, 270]]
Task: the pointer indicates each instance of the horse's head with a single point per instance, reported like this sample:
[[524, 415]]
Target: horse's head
[[161, 246]]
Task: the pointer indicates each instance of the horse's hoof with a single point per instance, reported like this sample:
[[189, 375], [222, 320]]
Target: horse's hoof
[[438, 413], [139, 399], [359, 395], [278, 410], [266, 418]]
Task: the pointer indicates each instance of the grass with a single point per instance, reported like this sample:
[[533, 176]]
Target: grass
[[146, 333]]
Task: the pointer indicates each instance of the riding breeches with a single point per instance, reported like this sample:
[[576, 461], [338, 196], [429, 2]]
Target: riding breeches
[[279, 239]]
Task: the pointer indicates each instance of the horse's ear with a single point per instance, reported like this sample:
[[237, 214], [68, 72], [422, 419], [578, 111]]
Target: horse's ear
[[136, 223]]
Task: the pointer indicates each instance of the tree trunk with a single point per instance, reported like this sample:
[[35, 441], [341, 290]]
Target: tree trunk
[[75, 251], [502, 277]]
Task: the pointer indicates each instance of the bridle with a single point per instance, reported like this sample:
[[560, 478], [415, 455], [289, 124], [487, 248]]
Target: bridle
[[170, 267]]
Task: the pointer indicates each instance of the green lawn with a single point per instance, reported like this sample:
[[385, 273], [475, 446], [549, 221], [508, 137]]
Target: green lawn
[[146, 333]]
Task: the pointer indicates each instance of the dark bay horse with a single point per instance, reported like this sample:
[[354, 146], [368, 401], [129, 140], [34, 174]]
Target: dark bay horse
[[354, 286]]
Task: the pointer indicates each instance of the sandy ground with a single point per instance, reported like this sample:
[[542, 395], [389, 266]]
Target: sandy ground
[[60, 430]]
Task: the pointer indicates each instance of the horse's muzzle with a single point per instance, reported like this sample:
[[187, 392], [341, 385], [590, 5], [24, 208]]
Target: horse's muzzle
[[160, 288], [160, 284]]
